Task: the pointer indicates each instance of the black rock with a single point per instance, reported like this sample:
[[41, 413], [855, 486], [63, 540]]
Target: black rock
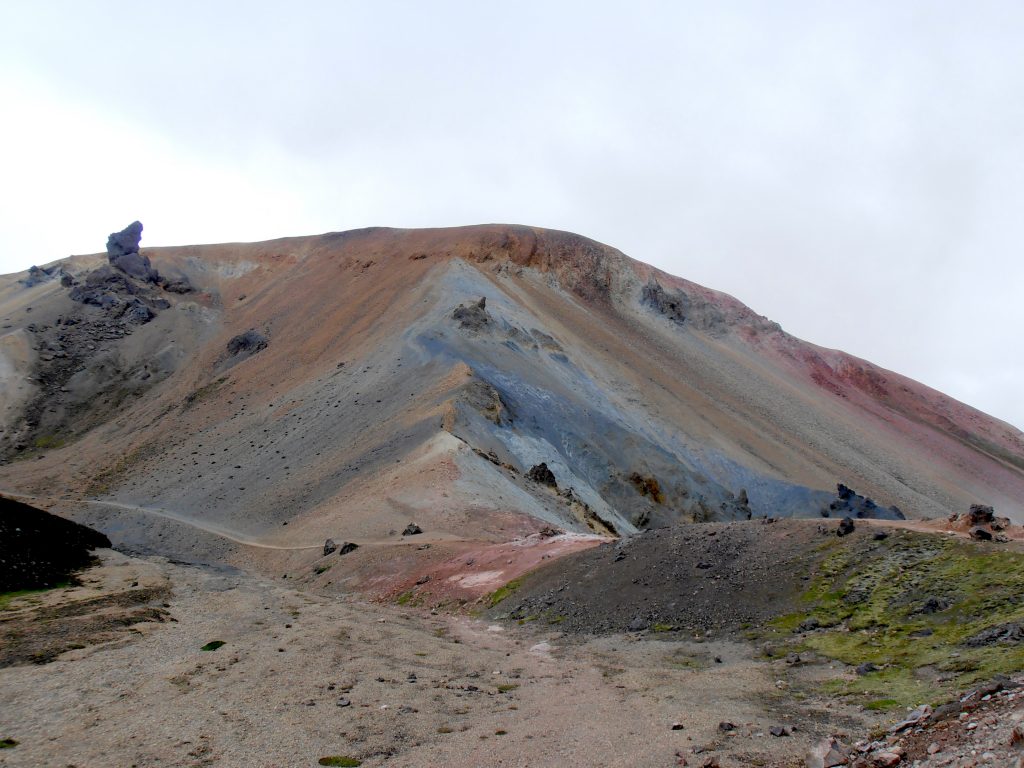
[[412, 530], [179, 286], [981, 534], [1003, 634], [725, 726], [933, 605], [540, 473], [846, 527], [248, 343], [347, 547], [329, 546], [880, 536], [866, 668], [38, 549], [980, 514], [809, 624], [779, 730], [126, 241]]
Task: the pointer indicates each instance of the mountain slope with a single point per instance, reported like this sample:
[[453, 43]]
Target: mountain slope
[[333, 386]]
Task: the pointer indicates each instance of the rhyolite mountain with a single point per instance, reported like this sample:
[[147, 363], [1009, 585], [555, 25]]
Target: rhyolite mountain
[[347, 384]]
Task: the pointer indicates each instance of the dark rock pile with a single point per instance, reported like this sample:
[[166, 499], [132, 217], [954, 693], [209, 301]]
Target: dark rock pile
[[849, 503]]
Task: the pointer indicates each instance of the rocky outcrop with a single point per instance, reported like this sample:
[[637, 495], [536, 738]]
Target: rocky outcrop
[[123, 254], [849, 503], [540, 473], [473, 317], [673, 306]]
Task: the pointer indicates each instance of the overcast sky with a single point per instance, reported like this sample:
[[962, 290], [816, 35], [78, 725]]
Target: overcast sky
[[854, 171]]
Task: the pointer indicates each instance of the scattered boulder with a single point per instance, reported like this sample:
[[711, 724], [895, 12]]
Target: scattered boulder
[[637, 625], [474, 317], [347, 547], [412, 530], [918, 716], [866, 668], [981, 534], [779, 731], [329, 546], [829, 753], [248, 343], [180, 285], [809, 625], [540, 473], [979, 514], [846, 527], [933, 605]]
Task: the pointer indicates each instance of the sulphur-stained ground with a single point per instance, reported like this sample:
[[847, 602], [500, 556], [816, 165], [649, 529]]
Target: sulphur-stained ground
[[301, 677]]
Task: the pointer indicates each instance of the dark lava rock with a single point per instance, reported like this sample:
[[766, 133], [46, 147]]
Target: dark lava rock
[[779, 731], [846, 527], [637, 625], [851, 504], [880, 536], [329, 546], [181, 285], [126, 241], [809, 624], [540, 473], [672, 306], [474, 317], [866, 668], [123, 254], [980, 514], [347, 547], [933, 605], [248, 343], [981, 534], [1011, 633], [412, 530], [725, 726], [38, 549]]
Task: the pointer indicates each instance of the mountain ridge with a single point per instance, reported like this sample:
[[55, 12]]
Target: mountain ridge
[[614, 373]]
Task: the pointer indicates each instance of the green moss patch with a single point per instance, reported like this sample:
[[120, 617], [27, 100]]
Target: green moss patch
[[502, 592], [340, 760], [909, 605], [8, 743], [213, 645]]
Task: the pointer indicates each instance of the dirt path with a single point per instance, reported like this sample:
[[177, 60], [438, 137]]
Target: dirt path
[[167, 514]]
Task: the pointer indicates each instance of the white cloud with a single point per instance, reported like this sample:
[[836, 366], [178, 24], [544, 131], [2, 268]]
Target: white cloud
[[852, 171]]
